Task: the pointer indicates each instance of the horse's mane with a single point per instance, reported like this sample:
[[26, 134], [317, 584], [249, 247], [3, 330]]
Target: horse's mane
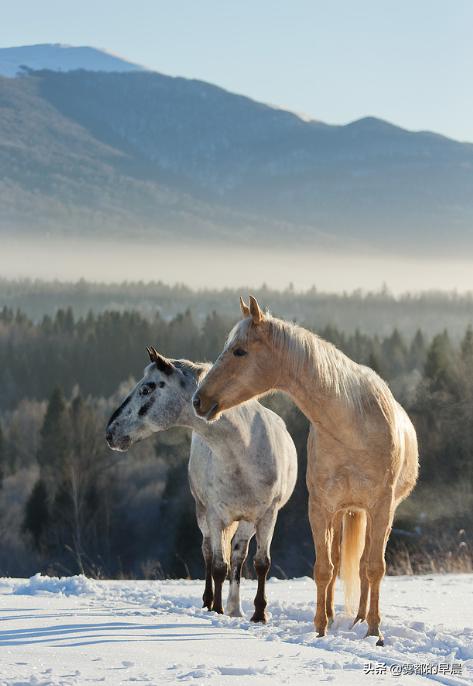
[[359, 386], [197, 369]]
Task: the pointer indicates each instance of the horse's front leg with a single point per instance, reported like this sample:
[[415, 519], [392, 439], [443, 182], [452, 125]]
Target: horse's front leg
[[240, 543], [336, 552], [322, 532], [219, 560], [262, 561], [208, 596], [208, 591]]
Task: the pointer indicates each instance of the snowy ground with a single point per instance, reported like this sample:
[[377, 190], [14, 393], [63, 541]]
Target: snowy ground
[[74, 631]]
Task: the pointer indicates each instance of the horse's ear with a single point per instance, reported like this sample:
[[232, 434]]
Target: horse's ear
[[245, 310], [255, 311], [161, 362]]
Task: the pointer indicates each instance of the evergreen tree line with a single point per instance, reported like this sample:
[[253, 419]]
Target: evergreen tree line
[[68, 504], [376, 312]]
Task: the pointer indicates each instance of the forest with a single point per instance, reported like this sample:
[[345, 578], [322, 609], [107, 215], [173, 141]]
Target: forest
[[69, 354]]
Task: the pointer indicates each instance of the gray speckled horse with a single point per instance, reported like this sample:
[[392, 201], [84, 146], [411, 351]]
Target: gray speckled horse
[[242, 470]]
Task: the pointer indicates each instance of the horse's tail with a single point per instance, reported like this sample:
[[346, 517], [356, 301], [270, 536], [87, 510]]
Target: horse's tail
[[353, 542], [227, 541]]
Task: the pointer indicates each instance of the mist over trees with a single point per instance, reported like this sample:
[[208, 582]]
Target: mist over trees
[[374, 313], [68, 504]]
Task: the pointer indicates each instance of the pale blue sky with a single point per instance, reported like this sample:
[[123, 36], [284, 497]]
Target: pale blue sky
[[407, 61]]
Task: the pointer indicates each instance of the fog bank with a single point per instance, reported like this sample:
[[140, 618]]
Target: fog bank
[[232, 266]]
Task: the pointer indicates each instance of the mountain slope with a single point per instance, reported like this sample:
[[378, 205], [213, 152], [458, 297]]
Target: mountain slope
[[150, 154], [60, 57]]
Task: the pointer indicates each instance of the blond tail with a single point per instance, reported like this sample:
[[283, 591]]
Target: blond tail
[[353, 543], [228, 535]]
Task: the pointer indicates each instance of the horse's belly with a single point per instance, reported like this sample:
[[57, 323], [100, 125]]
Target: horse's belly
[[345, 487], [235, 504]]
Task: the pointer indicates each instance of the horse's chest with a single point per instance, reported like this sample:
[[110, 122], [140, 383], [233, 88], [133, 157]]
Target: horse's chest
[[226, 491], [343, 486], [209, 477]]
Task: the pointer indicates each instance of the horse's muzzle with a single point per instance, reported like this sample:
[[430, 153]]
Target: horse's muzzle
[[205, 409], [121, 443]]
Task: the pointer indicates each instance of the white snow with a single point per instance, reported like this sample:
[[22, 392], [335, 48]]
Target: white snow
[[74, 631]]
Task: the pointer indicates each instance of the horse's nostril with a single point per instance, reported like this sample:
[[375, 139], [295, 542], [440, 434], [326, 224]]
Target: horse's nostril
[[109, 436], [196, 401]]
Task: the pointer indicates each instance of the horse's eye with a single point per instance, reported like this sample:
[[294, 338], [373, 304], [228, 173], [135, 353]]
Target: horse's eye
[[239, 352], [161, 384], [145, 390]]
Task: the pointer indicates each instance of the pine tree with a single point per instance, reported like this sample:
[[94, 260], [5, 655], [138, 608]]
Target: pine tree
[[374, 363], [214, 333], [3, 456], [418, 351], [55, 436], [467, 348], [36, 518], [439, 366], [394, 353]]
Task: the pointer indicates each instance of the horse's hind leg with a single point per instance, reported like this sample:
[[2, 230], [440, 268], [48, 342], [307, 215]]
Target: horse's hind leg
[[208, 596], [240, 543], [381, 520], [262, 561], [364, 581], [336, 552], [220, 537]]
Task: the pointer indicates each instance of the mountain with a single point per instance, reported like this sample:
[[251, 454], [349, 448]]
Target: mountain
[[58, 57], [143, 154]]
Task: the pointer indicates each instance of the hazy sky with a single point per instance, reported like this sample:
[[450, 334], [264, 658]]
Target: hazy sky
[[409, 61]]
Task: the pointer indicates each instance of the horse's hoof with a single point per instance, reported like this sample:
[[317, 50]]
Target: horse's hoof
[[357, 619], [380, 641], [321, 634], [218, 610], [207, 600], [259, 618]]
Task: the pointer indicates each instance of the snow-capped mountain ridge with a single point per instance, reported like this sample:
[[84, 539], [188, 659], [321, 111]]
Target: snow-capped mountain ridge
[[61, 57]]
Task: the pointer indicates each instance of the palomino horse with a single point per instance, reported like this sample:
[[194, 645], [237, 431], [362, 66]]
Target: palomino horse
[[242, 470], [362, 448]]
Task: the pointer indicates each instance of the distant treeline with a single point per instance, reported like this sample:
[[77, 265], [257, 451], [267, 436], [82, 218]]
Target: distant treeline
[[374, 313], [69, 504]]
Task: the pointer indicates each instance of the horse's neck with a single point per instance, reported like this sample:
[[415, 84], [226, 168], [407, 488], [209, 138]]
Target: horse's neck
[[304, 389], [188, 418], [224, 432], [318, 400]]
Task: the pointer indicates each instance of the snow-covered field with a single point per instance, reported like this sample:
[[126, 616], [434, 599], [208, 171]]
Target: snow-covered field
[[74, 631]]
